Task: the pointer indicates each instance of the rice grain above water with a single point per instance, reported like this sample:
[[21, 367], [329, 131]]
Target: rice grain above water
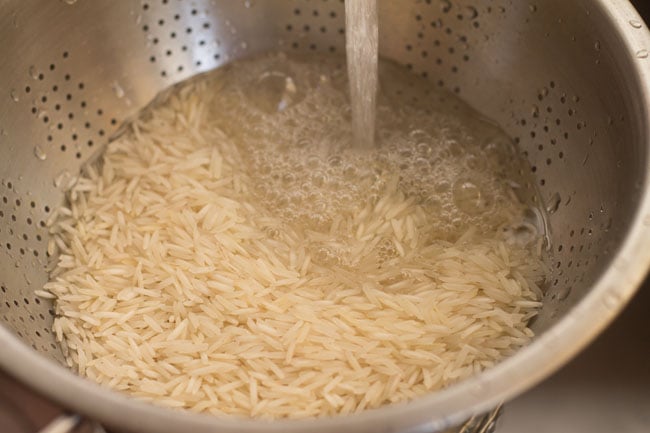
[[174, 284]]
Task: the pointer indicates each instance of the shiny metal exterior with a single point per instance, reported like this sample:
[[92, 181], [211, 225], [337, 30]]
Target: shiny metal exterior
[[569, 79]]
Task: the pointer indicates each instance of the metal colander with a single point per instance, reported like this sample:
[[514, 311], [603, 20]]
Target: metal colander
[[569, 80]]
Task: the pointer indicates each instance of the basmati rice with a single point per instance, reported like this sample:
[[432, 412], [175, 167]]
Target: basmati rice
[[174, 283]]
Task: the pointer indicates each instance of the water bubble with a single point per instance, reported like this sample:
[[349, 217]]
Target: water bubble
[[243, 45], [14, 95], [532, 8], [350, 172], [40, 153], [288, 179], [69, 2], [405, 153], [423, 148], [597, 46], [642, 54], [422, 165], [313, 161], [249, 4], [319, 179], [469, 197], [273, 92], [636, 24], [553, 203]]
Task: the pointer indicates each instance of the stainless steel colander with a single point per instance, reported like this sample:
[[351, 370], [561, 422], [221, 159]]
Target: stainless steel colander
[[570, 80]]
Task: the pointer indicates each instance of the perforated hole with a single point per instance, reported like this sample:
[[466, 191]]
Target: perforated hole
[[16, 218], [170, 35], [321, 24], [56, 92]]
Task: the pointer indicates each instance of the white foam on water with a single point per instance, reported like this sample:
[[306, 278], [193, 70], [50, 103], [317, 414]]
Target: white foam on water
[[292, 119]]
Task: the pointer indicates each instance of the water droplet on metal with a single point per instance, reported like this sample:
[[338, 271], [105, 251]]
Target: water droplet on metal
[[14, 19], [14, 95], [40, 153], [535, 111], [117, 89], [564, 293], [642, 54], [244, 45], [612, 301], [646, 220], [62, 178], [69, 2], [610, 223], [33, 72], [597, 45], [472, 12], [554, 203], [636, 24], [532, 8], [249, 4]]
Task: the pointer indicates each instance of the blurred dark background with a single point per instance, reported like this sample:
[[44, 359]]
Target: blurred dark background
[[643, 6]]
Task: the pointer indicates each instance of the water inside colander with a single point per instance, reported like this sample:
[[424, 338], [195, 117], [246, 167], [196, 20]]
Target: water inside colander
[[237, 252]]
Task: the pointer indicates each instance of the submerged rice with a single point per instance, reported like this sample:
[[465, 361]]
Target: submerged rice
[[175, 284]]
